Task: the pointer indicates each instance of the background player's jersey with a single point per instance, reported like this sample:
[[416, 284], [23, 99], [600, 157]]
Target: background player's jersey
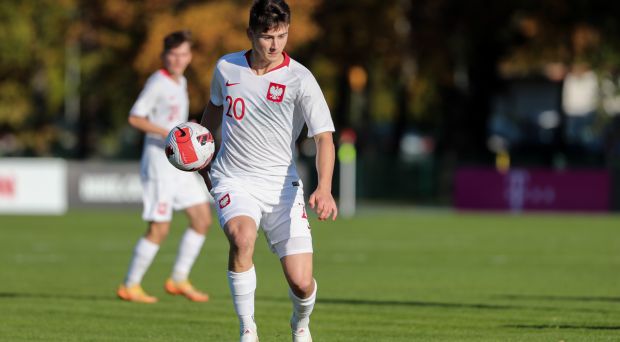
[[165, 103], [262, 118]]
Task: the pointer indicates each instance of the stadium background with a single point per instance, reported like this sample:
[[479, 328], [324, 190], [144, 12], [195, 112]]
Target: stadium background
[[452, 104], [427, 86]]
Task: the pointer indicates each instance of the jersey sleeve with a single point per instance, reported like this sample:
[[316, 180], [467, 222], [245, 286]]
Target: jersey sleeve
[[216, 87], [314, 107], [146, 100]]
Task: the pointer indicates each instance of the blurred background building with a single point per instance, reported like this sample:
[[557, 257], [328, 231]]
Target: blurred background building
[[429, 87]]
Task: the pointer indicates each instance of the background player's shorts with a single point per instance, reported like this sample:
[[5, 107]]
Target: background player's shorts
[[282, 218], [162, 196]]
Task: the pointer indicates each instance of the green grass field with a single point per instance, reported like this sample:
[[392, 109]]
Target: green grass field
[[388, 275]]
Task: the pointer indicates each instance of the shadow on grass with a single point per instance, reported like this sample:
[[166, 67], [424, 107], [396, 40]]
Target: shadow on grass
[[414, 303], [559, 298], [392, 303], [424, 304], [563, 326], [17, 295]]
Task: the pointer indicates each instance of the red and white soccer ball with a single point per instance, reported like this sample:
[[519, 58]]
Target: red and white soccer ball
[[189, 146]]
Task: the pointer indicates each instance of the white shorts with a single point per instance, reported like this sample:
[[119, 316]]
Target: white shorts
[[161, 196], [284, 221]]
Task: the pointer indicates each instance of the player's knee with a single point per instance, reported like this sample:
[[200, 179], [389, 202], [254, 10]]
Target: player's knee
[[242, 243], [303, 286], [202, 224], [208, 221], [157, 232]]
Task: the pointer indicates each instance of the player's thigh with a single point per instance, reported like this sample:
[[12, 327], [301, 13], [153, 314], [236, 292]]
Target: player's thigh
[[241, 232], [199, 217], [157, 201], [287, 228], [234, 202]]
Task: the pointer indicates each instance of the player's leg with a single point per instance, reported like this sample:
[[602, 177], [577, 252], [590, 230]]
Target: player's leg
[[302, 292], [158, 213], [143, 254], [288, 232], [241, 232], [145, 251], [199, 216], [239, 215], [193, 200]]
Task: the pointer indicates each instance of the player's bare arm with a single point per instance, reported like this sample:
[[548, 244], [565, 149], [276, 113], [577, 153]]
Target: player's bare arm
[[143, 124], [211, 119], [321, 199]]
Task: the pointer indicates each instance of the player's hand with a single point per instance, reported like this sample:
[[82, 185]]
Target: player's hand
[[324, 204], [164, 133]]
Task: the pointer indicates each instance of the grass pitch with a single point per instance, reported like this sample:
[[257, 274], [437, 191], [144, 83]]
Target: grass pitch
[[387, 275]]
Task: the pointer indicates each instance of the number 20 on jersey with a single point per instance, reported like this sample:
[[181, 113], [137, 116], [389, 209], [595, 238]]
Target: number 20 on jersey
[[236, 107]]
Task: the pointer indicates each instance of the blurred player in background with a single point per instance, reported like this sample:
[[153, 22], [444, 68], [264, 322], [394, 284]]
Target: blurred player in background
[[263, 98], [163, 104]]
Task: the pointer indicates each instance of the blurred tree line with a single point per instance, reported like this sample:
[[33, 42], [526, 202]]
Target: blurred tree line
[[71, 69]]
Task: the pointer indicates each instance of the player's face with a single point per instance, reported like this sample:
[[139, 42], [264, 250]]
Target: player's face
[[269, 45], [177, 59]]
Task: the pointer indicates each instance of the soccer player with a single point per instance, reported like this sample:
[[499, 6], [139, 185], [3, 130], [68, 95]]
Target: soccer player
[[263, 98], [163, 104]]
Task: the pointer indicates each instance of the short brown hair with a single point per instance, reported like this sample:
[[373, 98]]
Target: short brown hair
[[267, 14], [177, 38]]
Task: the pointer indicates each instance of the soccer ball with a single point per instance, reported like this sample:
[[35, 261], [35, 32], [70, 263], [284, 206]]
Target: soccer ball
[[189, 146]]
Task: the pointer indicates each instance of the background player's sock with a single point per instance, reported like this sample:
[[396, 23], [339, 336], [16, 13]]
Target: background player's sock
[[189, 248], [242, 287], [143, 254], [302, 308]]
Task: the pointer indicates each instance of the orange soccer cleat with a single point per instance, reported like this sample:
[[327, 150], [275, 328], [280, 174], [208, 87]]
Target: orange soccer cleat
[[186, 289], [134, 294]]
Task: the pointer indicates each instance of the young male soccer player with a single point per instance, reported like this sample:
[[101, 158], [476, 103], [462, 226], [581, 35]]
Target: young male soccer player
[[163, 104], [264, 98]]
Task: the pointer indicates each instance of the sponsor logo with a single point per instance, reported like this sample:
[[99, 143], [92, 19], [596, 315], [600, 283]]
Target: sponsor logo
[[520, 192], [7, 186], [276, 92], [228, 84], [110, 188], [224, 201]]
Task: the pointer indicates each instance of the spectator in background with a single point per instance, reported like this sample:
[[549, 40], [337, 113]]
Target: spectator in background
[[610, 89], [580, 97]]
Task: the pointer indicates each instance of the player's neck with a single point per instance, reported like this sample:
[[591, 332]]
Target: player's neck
[[174, 77], [262, 66]]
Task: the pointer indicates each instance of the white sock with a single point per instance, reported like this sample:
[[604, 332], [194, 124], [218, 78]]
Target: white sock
[[189, 248], [143, 254], [242, 287], [302, 308]]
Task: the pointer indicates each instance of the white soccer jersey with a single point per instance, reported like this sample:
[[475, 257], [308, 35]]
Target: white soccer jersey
[[262, 117], [165, 103]]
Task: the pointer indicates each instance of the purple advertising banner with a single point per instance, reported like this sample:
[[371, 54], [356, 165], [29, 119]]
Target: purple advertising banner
[[532, 189]]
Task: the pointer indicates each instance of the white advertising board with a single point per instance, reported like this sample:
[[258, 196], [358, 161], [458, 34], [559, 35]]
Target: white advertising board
[[33, 186]]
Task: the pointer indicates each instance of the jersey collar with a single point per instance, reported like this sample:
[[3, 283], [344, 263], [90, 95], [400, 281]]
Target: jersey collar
[[285, 62], [166, 73]]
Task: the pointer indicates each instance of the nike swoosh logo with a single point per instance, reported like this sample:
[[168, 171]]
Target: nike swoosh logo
[[228, 84]]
